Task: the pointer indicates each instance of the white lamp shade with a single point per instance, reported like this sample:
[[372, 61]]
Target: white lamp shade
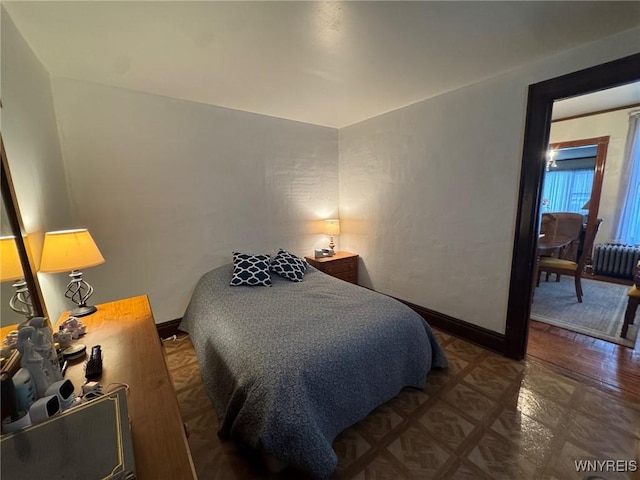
[[10, 266], [69, 250], [332, 227]]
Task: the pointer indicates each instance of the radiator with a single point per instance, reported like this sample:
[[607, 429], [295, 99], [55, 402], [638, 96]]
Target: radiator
[[615, 260]]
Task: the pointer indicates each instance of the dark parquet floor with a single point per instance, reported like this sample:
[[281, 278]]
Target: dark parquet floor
[[486, 417]]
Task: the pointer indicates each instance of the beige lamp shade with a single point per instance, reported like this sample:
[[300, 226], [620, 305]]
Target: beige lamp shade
[[10, 266], [68, 250], [332, 227]]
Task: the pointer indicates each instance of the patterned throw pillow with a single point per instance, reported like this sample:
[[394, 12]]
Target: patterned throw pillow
[[250, 270], [289, 266]]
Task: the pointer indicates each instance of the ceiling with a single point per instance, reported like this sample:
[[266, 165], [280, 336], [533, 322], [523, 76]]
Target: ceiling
[[326, 63], [596, 102]]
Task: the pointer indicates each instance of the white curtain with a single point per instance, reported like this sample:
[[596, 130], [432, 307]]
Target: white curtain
[[566, 190], [628, 220]]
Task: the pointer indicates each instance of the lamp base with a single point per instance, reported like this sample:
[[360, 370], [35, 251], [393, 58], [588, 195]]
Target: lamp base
[[83, 311], [21, 300]]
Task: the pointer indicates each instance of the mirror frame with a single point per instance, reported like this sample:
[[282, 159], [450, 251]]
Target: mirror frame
[[29, 268]]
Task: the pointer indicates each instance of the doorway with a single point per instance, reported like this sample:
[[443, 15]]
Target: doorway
[[571, 194], [538, 121]]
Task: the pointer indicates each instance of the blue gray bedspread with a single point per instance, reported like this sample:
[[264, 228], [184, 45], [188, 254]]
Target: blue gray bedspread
[[290, 366]]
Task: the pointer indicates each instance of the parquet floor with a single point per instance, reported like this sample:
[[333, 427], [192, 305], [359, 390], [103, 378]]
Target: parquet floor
[[486, 417], [612, 367]]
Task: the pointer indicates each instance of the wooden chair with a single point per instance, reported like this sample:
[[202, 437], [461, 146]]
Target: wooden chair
[[561, 266], [548, 224], [632, 307], [570, 225], [564, 224], [632, 304]]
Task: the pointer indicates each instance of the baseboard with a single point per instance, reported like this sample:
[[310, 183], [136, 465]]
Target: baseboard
[[467, 331], [166, 329], [608, 279]]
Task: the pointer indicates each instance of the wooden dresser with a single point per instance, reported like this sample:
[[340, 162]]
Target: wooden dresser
[[342, 265], [132, 353]]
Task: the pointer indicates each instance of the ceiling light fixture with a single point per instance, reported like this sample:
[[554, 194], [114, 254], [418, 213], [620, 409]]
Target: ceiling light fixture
[[551, 158]]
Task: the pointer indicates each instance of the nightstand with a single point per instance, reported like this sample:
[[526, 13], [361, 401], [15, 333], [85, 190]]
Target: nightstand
[[342, 265]]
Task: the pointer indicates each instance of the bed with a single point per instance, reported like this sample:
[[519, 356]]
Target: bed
[[291, 365]]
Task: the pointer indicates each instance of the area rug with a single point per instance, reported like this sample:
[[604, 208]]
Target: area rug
[[600, 314]]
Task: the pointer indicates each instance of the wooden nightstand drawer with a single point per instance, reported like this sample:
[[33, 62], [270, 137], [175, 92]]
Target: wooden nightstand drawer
[[342, 265], [347, 276]]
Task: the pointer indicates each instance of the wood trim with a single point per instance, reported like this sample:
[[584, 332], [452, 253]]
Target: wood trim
[[29, 268], [536, 139], [596, 192], [603, 278], [467, 331], [602, 144], [598, 112], [169, 328]]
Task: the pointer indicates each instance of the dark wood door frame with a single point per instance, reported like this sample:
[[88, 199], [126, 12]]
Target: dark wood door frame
[[536, 139]]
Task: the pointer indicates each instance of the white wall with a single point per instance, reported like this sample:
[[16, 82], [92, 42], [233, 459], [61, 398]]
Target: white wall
[[428, 193], [615, 125], [33, 152], [169, 188]]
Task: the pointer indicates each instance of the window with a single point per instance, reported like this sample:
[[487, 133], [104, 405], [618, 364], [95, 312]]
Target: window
[[628, 231], [569, 179], [567, 190]]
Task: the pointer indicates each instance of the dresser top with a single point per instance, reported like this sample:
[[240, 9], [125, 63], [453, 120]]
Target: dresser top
[[132, 354]]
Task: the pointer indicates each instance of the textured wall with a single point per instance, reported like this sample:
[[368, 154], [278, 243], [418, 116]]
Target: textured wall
[[428, 195], [33, 152], [615, 125], [168, 188], [428, 192]]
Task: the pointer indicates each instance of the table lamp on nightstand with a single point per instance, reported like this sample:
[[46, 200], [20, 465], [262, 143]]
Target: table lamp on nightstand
[[331, 228], [11, 270], [72, 250]]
